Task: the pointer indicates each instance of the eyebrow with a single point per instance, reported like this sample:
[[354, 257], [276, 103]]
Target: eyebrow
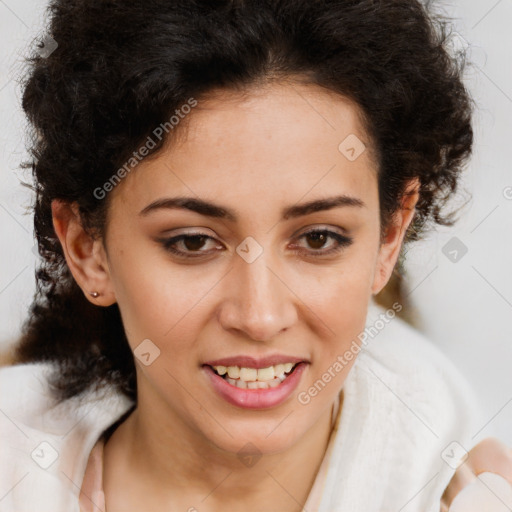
[[210, 209]]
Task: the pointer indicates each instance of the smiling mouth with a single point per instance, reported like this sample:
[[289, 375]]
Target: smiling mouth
[[252, 378]]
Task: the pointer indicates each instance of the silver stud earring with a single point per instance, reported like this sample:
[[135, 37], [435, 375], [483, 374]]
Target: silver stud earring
[[95, 294]]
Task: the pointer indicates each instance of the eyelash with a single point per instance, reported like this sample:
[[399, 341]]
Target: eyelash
[[342, 242]]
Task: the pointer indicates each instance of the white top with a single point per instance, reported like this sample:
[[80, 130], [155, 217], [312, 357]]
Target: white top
[[406, 409]]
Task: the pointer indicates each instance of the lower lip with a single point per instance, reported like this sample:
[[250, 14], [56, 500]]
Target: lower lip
[[256, 398]]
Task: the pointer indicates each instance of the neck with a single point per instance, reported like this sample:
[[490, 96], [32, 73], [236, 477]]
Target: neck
[[175, 465]]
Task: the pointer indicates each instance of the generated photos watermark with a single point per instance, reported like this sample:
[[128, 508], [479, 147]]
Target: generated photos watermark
[[158, 133], [343, 360]]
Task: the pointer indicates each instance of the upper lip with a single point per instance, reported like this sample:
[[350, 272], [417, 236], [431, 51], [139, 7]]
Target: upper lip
[[252, 362]]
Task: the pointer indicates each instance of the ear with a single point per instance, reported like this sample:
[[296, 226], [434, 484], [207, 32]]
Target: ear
[[85, 256], [392, 243]]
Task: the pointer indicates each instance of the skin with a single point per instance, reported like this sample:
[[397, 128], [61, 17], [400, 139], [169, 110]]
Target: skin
[[256, 154]]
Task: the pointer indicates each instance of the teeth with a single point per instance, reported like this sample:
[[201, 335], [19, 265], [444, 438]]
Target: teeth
[[221, 370], [233, 371], [272, 375], [254, 385], [241, 384], [279, 370], [266, 373], [248, 374]]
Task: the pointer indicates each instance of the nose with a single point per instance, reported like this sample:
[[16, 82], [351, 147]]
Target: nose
[[257, 302]]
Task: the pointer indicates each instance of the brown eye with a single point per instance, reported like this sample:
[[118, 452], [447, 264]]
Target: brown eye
[[194, 243], [318, 238], [185, 246]]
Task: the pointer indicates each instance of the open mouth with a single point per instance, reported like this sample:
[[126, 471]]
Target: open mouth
[[252, 378]]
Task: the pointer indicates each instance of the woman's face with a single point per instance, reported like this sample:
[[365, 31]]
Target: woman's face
[[254, 285]]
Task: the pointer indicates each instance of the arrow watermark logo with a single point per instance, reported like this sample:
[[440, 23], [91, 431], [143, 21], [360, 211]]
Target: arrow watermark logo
[[44, 455], [47, 47], [352, 147], [249, 249], [455, 250], [249, 455], [146, 352], [454, 455]]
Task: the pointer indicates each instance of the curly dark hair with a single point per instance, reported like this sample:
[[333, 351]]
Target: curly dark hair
[[122, 67]]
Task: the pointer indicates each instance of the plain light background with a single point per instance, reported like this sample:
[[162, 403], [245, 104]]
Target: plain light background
[[462, 299]]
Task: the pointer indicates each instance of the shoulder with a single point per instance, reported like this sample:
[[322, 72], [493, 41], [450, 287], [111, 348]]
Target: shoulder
[[45, 444], [24, 385], [26, 395], [392, 347], [407, 415]]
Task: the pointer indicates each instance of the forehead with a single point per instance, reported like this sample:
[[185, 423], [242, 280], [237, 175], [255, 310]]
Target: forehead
[[277, 144]]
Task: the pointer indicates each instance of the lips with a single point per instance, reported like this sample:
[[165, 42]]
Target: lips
[[255, 398]]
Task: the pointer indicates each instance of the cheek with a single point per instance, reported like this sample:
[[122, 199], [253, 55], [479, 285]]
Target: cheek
[[156, 297], [340, 298], [345, 287]]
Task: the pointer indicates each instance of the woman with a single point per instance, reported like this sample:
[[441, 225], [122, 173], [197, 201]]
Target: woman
[[222, 188]]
